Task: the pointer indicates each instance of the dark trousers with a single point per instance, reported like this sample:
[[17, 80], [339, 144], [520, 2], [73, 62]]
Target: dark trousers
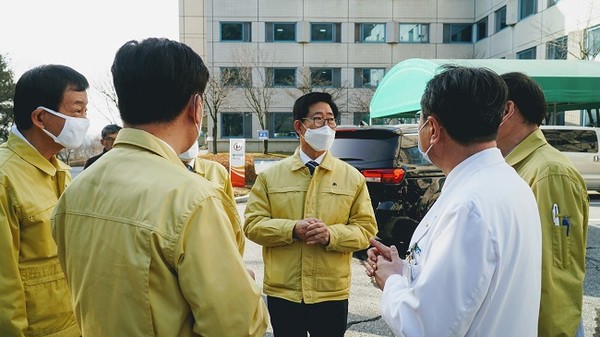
[[290, 319]]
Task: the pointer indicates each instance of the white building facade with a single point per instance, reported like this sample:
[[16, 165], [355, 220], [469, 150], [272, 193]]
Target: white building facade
[[266, 53]]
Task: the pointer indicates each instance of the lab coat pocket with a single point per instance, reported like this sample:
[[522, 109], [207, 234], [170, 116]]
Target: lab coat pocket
[[560, 247], [415, 271]]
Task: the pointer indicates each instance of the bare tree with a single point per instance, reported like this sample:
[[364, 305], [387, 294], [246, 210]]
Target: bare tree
[[109, 109], [66, 155], [309, 80], [583, 43], [589, 44], [361, 99], [214, 97], [257, 87]]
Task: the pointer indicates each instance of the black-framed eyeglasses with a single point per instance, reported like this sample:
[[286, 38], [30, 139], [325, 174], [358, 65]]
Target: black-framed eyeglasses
[[320, 121]]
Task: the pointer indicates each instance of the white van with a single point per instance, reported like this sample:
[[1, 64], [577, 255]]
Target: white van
[[580, 144]]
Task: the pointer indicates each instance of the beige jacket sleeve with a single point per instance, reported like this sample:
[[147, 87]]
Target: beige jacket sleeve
[[224, 299], [13, 317]]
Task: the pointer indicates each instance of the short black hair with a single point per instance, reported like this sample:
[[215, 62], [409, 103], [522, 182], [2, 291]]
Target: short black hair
[[110, 129], [468, 102], [305, 101], [527, 95], [155, 78], [44, 85]]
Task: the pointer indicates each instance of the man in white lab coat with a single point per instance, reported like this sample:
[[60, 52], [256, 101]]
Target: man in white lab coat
[[474, 265]]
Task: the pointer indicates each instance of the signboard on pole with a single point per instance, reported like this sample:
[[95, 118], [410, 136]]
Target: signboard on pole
[[237, 162]]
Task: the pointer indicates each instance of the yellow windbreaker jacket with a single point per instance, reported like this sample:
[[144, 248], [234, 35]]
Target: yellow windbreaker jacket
[[217, 173], [284, 194], [34, 298], [555, 181], [148, 248]]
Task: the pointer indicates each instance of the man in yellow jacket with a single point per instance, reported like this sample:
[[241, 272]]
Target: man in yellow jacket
[[563, 203], [216, 173], [50, 107], [147, 246], [310, 211]]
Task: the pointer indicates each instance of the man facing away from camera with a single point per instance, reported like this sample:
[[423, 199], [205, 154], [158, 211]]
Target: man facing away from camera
[[474, 265], [148, 247], [562, 200]]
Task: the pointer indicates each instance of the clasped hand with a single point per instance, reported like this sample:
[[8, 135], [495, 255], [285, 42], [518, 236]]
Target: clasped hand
[[382, 262], [312, 231]]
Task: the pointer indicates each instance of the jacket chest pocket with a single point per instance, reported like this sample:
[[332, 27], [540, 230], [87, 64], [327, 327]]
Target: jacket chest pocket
[[334, 204], [36, 232], [37, 211], [287, 202]]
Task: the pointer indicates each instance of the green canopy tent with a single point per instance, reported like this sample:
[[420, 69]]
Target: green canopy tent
[[567, 84]]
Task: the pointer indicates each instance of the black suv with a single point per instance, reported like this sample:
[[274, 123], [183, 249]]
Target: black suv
[[402, 184]]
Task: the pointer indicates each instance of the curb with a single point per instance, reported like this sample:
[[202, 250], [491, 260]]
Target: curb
[[241, 200]]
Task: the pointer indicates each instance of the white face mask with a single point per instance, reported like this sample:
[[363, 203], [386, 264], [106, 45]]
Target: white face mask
[[73, 132], [191, 153], [319, 139], [425, 154]]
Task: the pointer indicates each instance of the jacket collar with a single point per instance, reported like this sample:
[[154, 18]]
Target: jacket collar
[[32, 156], [530, 144], [298, 164], [148, 142]]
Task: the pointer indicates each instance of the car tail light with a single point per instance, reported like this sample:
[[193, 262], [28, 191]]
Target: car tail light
[[390, 176]]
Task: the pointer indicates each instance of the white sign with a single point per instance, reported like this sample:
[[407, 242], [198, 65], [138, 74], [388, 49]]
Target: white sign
[[237, 161]]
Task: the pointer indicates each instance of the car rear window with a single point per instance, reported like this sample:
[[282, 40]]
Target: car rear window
[[375, 148], [572, 140]]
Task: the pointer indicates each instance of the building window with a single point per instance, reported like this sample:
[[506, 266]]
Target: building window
[[236, 125], [527, 8], [236, 31], [500, 18], [527, 54], [552, 3], [282, 125], [593, 42], [281, 77], [481, 28], [458, 32], [557, 49], [370, 32], [236, 77], [368, 77], [414, 33], [280, 32], [325, 32], [326, 77]]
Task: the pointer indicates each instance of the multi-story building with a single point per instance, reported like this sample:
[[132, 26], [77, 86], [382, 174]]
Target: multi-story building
[[263, 54]]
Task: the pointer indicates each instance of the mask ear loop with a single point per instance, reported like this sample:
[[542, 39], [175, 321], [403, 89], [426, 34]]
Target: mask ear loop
[[194, 107]]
